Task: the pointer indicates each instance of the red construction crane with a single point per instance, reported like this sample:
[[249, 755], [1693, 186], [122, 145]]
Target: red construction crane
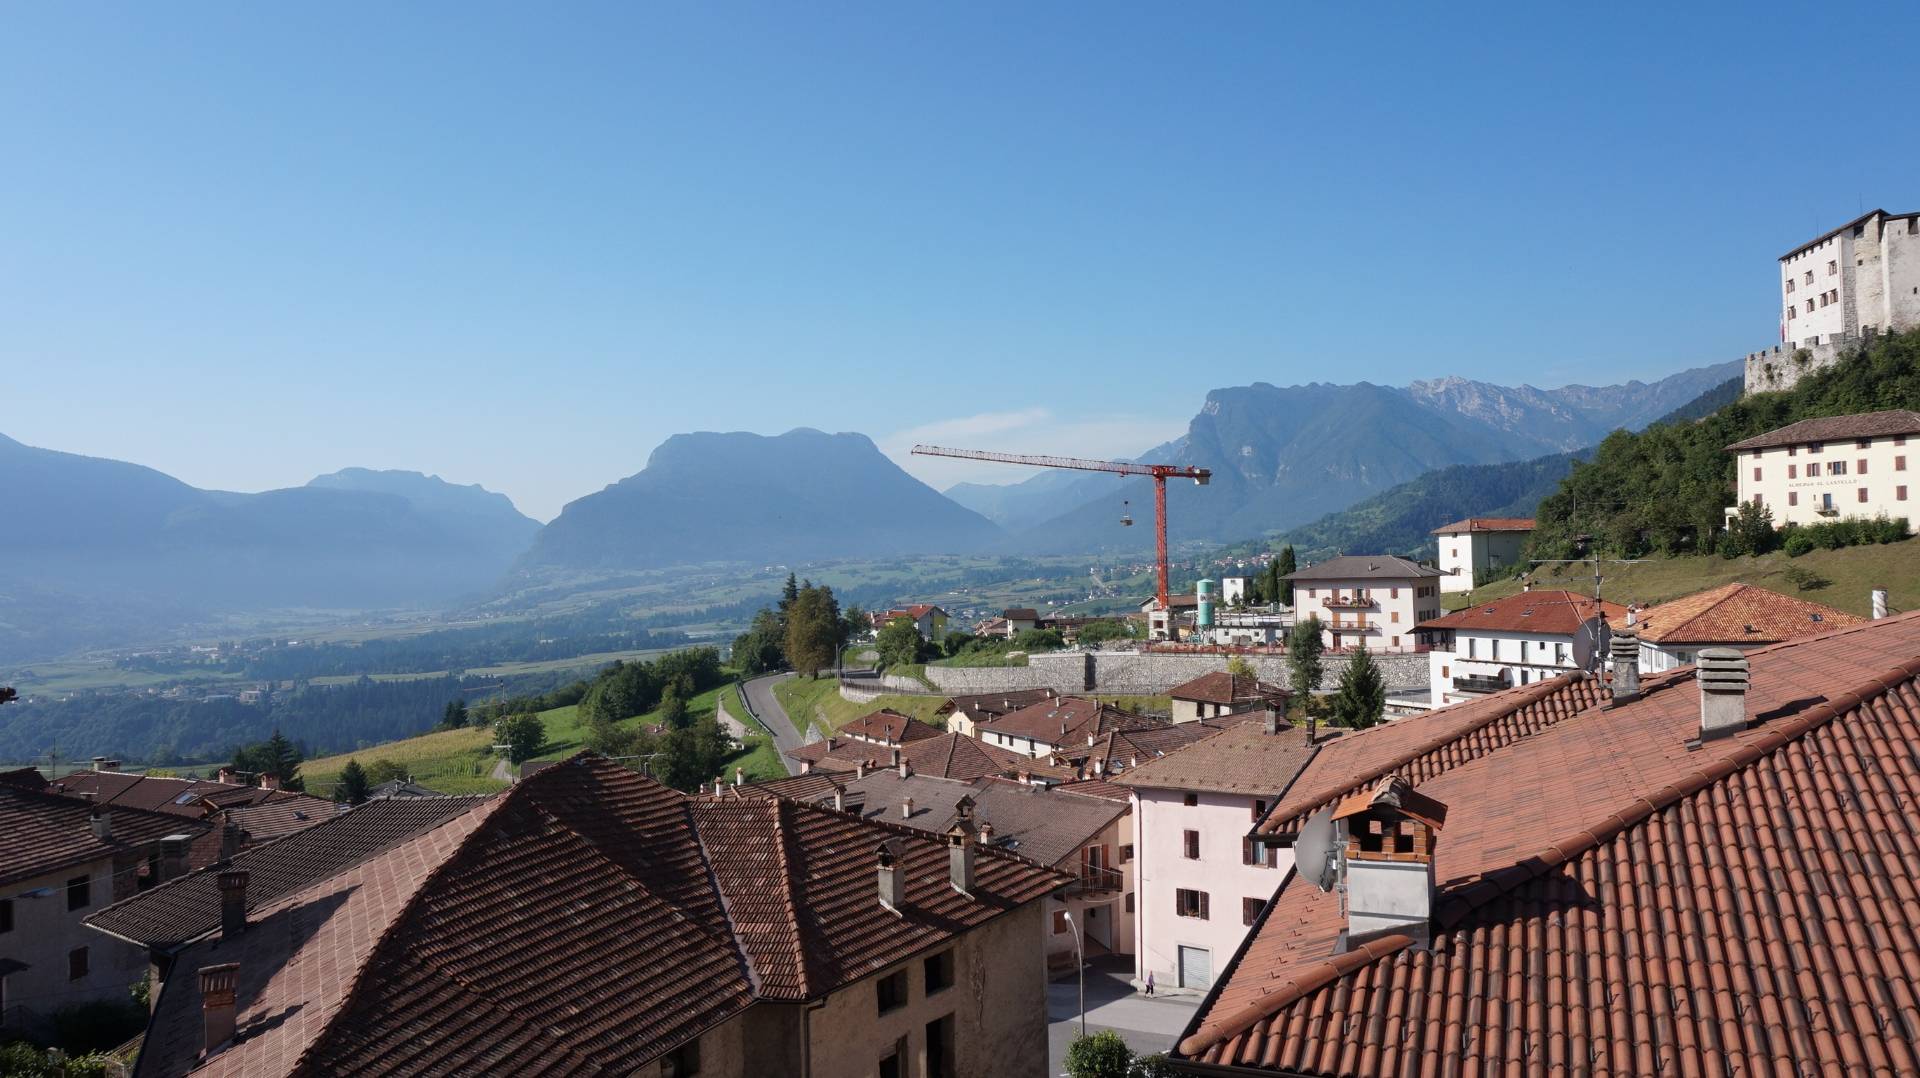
[[1160, 473]]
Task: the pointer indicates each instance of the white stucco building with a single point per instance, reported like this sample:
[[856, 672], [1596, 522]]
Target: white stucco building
[[1479, 545], [1826, 469], [1860, 278], [1374, 600], [1519, 640]]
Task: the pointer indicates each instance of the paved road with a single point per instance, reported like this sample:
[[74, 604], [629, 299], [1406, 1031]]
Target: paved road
[[1147, 1024], [760, 700]]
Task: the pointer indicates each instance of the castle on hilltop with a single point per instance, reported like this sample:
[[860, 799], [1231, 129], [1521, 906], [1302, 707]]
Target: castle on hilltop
[[1837, 291]]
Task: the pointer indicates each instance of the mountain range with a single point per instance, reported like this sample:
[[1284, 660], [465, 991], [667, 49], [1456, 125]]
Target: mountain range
[[97, 552]]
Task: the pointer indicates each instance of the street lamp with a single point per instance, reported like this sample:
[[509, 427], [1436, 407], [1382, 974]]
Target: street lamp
[[1080, 960]]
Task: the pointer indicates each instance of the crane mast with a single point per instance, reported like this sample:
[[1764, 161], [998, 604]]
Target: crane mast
[[1160, 473]]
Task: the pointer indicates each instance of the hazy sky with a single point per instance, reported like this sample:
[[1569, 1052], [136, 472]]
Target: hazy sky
[[521, 244]]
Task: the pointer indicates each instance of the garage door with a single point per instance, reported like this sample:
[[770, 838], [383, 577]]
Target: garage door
[[1196, 967]]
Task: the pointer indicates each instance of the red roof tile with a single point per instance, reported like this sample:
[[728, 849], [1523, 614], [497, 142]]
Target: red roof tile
[[1068, 721], [1241, 758], [1836, 428], [583, 922], [1486, 524], [1610, 901], [1737, 614], [1222, 687], [948, 756], [888, 725], [46, 832], [1554, 613]]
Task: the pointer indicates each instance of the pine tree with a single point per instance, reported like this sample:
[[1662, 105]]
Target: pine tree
[[1361, 700], [353, 784], [455, 715], [1283, 566]]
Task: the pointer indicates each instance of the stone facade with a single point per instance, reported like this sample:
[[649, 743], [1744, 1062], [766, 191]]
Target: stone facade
[[1130, 673]]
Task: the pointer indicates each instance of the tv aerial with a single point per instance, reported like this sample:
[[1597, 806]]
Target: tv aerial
[[1316, 850]]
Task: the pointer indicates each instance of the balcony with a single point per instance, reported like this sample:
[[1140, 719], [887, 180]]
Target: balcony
[[1359, 601], [1097, 878], [1482, 683], [1352, 627]]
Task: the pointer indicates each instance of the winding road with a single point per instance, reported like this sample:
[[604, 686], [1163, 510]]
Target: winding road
[[760, 700]]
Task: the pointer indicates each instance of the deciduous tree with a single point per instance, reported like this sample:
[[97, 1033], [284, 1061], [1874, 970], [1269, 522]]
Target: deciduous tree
[[523, 735]]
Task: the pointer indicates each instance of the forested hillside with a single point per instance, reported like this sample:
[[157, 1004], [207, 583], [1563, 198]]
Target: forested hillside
[[1665, 489], [1401, 520]]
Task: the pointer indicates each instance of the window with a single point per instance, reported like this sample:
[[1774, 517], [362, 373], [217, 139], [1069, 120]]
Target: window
[[77, 964], [1191, 844], [939, 971], [1129, 901], [1126, 853], [1791, 470], [1190, 903], [1396, 615], [1809, 277], [1899, 439], [1793, 497], [940, 1047], [1899, 464], [1860, 466], [890, 992], [1864, 443], [1863, 494], [1190, 800], [1253, 853], [1833, 267], [1789, 286], [1759, 499], [1792, 449], [1813, 469], [79, 892], [1559, 654], [1899, 494], [893, 1064], [1445, 672], [1813, 447], [6, 914], [1059, 922], [682, 1061], [1472, 646], [1493, 650], [1250, 909], [1837, 467], [1826, 500], [1756, 475], [1259, 810], [1393, 593]]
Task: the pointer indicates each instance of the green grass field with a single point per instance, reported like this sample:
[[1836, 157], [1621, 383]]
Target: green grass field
[[462, 761], [819, 702], [1851, 574]]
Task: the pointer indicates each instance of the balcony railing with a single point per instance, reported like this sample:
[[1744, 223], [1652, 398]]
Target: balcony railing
[[1099, 878], [1351, 602], [1481, 683], [1352, 626]]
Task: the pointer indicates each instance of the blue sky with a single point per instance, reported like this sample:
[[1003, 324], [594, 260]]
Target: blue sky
[[521, 245]]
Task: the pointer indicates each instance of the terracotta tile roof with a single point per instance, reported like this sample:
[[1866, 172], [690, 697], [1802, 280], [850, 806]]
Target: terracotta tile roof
[[1038, 823], [1552, 613], [1021, 613], [29, 777], [1836, 428], [953, 756], [1738, 614], [1221, 687], [1486, 524], [1609, 902], [189, 907], [1242, 758], [182, 797], [583, 922], [1364, 567], [1068, 721], [1177, 601], [814, 787], [46, 832], [992, 705], [281, 815], [1112, 791], [1123, 749], [889, 725], [1422, 747]]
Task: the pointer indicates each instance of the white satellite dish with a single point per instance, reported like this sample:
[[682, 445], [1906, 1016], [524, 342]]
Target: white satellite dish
[[1586, 641], [1316, 850]]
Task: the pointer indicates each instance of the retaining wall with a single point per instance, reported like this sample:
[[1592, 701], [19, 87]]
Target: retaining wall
[[1129, 673]]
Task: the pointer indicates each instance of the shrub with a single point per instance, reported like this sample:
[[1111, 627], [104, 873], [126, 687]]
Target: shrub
[[1797, 544], [1099, 1055], [1805, 579], [97, 1026]]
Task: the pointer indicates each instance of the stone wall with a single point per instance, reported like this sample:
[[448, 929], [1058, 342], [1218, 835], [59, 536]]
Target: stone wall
[[1128, 673], [1779, 367]]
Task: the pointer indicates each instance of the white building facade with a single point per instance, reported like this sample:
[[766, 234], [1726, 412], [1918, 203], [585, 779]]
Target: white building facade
[[1831, 468], [1862, 278], [1477, 546], [1522, 639], [1375, 601]]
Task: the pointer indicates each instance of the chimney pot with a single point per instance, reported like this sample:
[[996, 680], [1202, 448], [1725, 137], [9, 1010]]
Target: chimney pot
[[839, 800], [739, 776], [229, 841], [1722, 674], [1623, 649], [99, 763], [893, 884], [218, 1003], [102, 825], [906, 769], [906, 809], [233, 903]]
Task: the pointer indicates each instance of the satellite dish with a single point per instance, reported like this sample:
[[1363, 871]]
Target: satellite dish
[[1586, 642], [1316, 851]]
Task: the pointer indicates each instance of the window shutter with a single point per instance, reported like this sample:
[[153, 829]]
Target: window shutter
[[1203, 906]]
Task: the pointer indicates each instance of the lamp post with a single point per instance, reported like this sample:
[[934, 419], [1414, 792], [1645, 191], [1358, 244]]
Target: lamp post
[[1080, 959]]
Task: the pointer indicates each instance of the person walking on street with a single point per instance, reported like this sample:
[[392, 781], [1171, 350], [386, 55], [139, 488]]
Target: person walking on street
[[1149, 982]]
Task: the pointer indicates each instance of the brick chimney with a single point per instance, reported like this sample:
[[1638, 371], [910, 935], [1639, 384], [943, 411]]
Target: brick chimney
[[893, 880], [233, 903], [218, 1004], [101, 823], [1274, 722], [1722, 676], [1624, 651], [173, 856], [960, 841], [1390, 832], [229, 841]]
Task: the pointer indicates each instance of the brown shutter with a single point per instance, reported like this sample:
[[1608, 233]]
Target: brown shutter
[[1203, 906]]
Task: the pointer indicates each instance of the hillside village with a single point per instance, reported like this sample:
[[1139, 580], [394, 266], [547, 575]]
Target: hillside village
[[1368, 815]]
